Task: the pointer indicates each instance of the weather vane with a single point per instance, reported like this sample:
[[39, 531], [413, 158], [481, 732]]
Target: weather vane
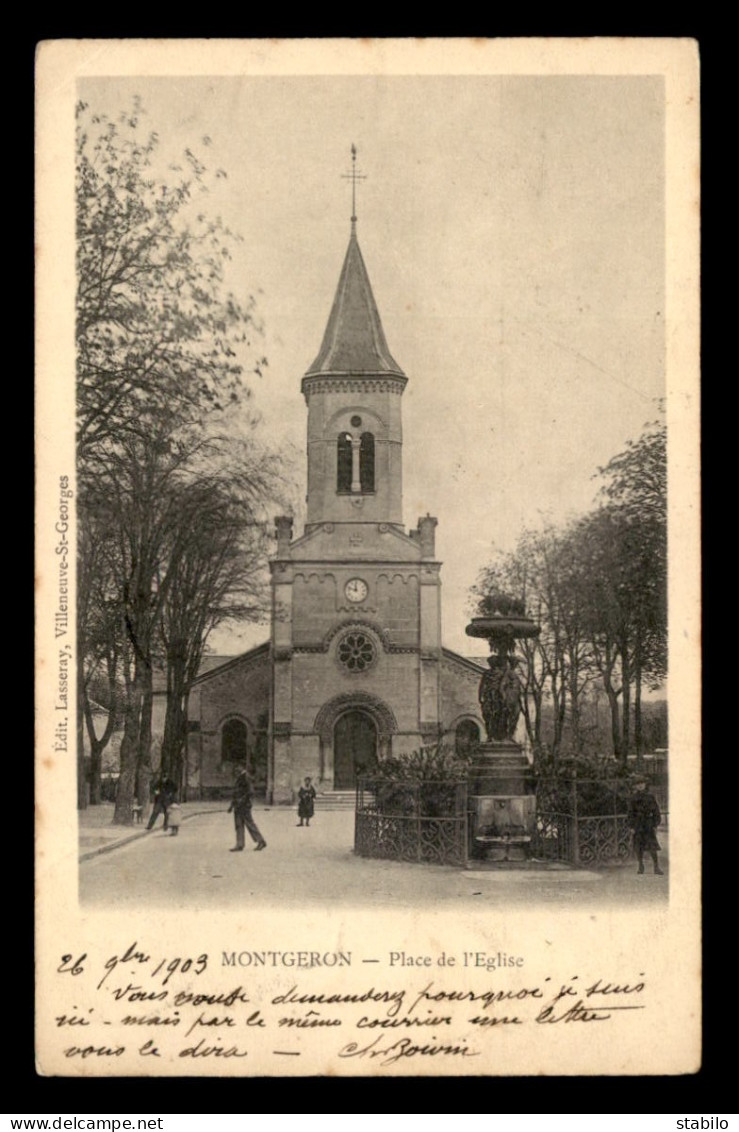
[[354, 176]]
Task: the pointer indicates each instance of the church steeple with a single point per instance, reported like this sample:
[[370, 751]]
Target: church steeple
[[354, 342], [353, 391]]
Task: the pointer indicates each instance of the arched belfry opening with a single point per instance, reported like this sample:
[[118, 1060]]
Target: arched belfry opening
[[367, 463], [355, 463], [344, 463]]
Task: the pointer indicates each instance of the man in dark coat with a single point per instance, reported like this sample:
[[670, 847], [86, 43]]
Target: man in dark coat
[[644, 817], [241, 803], [165, 795]]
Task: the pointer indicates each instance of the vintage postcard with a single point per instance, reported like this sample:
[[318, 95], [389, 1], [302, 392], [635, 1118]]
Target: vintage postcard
[[368, 716]]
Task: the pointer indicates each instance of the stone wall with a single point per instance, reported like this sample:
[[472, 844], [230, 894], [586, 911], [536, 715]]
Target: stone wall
[[239, 689], [460, 680]]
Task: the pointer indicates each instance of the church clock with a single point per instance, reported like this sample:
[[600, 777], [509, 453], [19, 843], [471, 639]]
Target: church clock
[[356, 590]]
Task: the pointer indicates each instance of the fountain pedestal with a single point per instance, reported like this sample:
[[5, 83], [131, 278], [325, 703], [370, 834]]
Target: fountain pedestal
[[502, 812], [502, 807]]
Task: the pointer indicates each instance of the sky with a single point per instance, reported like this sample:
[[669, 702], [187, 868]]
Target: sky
[[513, 231]]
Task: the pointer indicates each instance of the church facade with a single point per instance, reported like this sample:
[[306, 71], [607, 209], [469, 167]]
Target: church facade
[[355, 669]]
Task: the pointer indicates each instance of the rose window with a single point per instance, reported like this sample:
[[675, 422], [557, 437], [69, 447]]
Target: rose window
[[356, 652]]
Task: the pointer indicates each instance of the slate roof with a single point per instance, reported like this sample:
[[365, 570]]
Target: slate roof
[[223, 662], [354, 342], [476, 663]]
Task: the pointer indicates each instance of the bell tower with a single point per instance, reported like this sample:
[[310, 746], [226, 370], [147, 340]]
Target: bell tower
[[353, 391], [355, 672], [356, 616]]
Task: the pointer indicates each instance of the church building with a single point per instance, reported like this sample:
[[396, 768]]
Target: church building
[[354, 669]]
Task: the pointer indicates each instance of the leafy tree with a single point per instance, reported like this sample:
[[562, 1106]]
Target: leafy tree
[[155, 328], [134, 495], [99, 644], [556, 669], [598, 587], [605, 596], [217, 575], [636, 485], [162, 348]]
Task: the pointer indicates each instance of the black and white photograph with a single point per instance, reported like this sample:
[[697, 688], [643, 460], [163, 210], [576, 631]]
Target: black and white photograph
[[368, 626]]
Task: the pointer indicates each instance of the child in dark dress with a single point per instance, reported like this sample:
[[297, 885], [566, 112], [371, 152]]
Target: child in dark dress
[[306, 799]]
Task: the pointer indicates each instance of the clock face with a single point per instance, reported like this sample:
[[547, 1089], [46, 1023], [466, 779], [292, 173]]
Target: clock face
[[356, 589]]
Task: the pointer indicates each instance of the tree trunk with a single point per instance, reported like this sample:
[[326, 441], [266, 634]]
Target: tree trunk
[[125, 793], [638, 734], [626, 703], [97, 746], [186, 748], [530, 730], [174, 737], [173, 724], [559, 702], [143, 762], [532, 691], [560, 711], [575, 710], [615, 719], [606, 662], [96, 772]]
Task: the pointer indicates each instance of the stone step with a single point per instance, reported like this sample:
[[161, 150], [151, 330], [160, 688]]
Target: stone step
[[336, 800], [502, 760]]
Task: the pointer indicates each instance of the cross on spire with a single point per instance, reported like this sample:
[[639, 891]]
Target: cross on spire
[[354, 176]]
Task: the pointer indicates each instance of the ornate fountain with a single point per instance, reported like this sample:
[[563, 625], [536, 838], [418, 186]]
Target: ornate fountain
[[502, 807]]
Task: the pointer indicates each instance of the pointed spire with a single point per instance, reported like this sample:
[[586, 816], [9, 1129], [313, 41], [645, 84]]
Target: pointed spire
[[354, 342]]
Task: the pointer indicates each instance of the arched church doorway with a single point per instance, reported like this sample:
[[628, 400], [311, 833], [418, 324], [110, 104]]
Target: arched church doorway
[[355, 748]]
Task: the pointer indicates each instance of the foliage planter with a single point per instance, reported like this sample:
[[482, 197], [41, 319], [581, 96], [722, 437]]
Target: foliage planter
[[582, 821], [402, 820]]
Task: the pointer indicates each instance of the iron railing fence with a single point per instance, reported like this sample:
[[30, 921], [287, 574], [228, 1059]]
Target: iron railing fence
[[412, 821], [579, 821], [585, 821]]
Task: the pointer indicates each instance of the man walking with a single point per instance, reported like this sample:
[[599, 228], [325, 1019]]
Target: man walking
[[165, 795], [241, 803]]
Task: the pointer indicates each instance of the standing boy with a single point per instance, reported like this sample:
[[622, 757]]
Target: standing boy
[[644, 817]]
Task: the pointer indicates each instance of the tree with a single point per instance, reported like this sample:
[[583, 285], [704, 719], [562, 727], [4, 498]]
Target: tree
[[218, 575], [598, 587], [161, 352], [134, 495], [556, 667], [636, 485], [155, 329], [99, 645], [597, 547]]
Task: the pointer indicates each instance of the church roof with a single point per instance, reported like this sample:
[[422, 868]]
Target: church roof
[[354, 342], [223, 663], [478, 664]]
